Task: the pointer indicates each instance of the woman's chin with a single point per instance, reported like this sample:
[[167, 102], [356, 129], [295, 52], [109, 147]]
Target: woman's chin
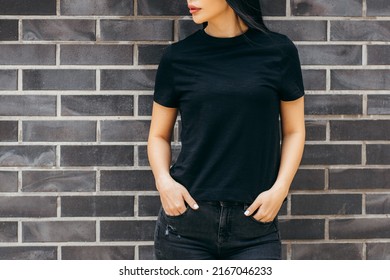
[[197, 20]]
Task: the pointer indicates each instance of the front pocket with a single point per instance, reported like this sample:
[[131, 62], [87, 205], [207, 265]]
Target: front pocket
[[259, 222], [244, 227], [176, 216], [190, 224]]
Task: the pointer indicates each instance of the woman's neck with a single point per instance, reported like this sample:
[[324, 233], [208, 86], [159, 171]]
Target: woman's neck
[[230, 25]]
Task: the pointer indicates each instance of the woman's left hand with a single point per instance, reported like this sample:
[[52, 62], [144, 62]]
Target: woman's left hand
[[267, 204]]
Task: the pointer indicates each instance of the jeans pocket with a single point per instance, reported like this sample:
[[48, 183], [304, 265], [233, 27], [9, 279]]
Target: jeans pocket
[[260, 222], [176, 216], [248, 227]]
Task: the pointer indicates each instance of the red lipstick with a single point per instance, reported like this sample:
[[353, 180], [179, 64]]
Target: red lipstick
[[193, 9]]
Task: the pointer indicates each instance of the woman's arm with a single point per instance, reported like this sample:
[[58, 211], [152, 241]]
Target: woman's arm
[[269, 202], [172, 194]]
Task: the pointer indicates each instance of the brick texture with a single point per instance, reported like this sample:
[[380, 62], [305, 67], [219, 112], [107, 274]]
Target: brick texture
[[97, 253], [28, 253], [27, 55], [378, 8], [59, 30], [28, 7], [9, 30], [59, 181], [327, 251], [378, 251], [76, 86], [95, 8], [326, 8], [8, 79], [8, 181]]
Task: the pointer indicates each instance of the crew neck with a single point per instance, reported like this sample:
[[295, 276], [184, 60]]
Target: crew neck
[[237, 38]]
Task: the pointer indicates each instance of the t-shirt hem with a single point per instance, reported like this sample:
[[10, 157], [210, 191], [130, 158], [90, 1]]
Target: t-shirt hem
[[298, 94], [165, 104], [218, 196]]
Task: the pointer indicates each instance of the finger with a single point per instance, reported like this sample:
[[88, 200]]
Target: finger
[[172, 212], [173, 208], [175, 211], [263, 216], [180, 206], [259, 216], [190, 201], [265, 220], [253, 207]]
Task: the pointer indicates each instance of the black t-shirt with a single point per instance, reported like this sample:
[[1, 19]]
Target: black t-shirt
[[228, 92]]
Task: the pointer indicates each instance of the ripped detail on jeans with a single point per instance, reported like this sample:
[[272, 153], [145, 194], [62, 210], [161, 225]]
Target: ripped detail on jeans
[[170, 229]]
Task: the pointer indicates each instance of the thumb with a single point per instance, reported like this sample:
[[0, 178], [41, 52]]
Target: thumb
[[190, 201]]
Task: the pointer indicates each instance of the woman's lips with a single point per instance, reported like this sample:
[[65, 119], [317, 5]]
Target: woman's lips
[[193, 9]]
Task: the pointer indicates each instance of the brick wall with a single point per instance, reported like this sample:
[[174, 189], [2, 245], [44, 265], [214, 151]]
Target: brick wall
[[76, 84]]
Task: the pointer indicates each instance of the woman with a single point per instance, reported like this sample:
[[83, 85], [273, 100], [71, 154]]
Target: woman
[[231, 81]]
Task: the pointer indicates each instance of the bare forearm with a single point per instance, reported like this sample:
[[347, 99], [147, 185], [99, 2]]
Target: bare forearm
[[159, 154], [292, 150]]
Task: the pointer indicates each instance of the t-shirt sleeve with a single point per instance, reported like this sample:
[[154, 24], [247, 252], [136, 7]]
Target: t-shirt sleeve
[[164, 93], [291, 83]]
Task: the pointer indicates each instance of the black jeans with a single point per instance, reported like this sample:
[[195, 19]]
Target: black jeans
[[217, 230]]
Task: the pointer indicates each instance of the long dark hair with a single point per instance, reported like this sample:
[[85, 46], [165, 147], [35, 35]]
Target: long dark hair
[[250, 12]]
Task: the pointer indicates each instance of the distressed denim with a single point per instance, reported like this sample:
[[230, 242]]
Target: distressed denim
[[217, 230]]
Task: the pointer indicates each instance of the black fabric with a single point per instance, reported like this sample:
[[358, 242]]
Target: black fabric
[[228, 92]]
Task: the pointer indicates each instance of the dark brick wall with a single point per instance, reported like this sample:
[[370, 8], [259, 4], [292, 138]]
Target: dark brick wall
[[76, 84]]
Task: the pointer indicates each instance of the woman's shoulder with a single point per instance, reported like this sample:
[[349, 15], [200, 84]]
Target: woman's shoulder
[[278, 38], [280, 42]]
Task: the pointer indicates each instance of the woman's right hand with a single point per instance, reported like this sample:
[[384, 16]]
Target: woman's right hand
[[173, 197]]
